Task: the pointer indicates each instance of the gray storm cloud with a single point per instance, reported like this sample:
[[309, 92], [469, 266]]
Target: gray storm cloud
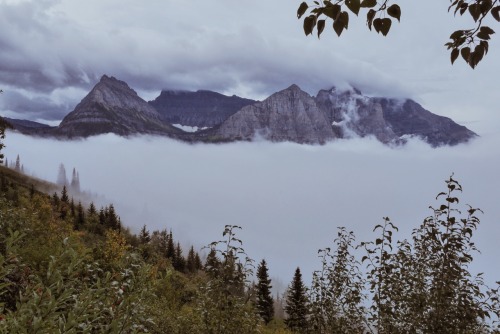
[[57, 45], [288, 198]]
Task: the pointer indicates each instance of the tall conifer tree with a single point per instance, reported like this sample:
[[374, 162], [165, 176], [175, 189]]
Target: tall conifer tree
[[191, 261], [265, 302], [170, 252], [144, 236], [296, 305], [179, 261]]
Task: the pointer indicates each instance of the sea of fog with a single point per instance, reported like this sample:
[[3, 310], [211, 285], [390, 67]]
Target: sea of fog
[[289, 199]]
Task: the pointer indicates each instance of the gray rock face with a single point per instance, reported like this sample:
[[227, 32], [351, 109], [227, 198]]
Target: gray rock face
[[202, 108], [29, 127], [289, 115], [112, 106], [389, 120]]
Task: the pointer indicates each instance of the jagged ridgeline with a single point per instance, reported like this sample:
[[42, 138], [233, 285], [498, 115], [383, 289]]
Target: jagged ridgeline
[[289, 115]]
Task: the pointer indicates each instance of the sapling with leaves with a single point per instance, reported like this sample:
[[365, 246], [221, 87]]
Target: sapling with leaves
[[223, 302], [336, 294], [424, 285], [380, 277]]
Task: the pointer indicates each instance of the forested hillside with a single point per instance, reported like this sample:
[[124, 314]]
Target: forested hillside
[[66, 267]]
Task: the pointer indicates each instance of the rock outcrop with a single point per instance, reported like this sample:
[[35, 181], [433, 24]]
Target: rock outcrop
[[197, 109], [389, 120], [289, 115], [113, 107]]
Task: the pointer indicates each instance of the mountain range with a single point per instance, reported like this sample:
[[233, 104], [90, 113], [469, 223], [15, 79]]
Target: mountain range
[[288, 115]]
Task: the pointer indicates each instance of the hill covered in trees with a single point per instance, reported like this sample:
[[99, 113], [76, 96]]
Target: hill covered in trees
[[69, 267]]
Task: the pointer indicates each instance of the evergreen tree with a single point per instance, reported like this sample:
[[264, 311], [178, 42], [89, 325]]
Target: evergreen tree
[[265, 302], [296, 305], [64, 195], [162, 243], [80, 218], [197, 261], [144, 236], [64, 203], [102, 217], [55, 200], [191, 264], [3, 125], [112, 220], [91, 210], [18, 164], [75, 181], [179, 261], [170, 252], [72, 207], [61, 176]]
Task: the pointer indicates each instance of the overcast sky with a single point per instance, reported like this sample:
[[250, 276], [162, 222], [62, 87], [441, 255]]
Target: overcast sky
[[53, 51]]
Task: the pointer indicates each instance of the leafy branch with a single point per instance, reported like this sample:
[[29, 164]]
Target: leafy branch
[[472, 44]]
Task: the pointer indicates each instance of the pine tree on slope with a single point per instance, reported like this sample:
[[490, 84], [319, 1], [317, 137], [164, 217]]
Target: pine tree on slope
[[296, 305], [265, 302]]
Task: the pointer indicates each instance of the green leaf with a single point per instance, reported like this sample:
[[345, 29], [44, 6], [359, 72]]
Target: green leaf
[[309, 23], [394, 11], [475, 11], [495, 12], [353, 5], [482, 35], [332, 11], [321, 27], [377, 24], [457, 34], [341, 23], [465, 52], [479, 52], [368, 3], [386, 26], [463, 8], [486, 47], [487, 30], [454, 55], [369, 18], [485, 6], [302, 9]]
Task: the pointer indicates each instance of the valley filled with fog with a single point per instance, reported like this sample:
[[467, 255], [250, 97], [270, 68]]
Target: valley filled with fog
[[288, 198]]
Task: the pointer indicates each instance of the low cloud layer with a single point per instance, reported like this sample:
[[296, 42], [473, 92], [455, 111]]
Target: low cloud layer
[[288, 198]]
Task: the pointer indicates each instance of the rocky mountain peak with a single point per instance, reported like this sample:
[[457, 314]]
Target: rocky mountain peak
[[112, 106], [202, 108], [390, 120], [288, 115]]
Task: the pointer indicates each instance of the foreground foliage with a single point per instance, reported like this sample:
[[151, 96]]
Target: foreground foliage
[[472, 44], [70, 268]]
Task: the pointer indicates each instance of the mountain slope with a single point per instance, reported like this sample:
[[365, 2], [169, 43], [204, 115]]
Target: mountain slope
[[201, 109], [289, 115], [389, 120], [112, 106]]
